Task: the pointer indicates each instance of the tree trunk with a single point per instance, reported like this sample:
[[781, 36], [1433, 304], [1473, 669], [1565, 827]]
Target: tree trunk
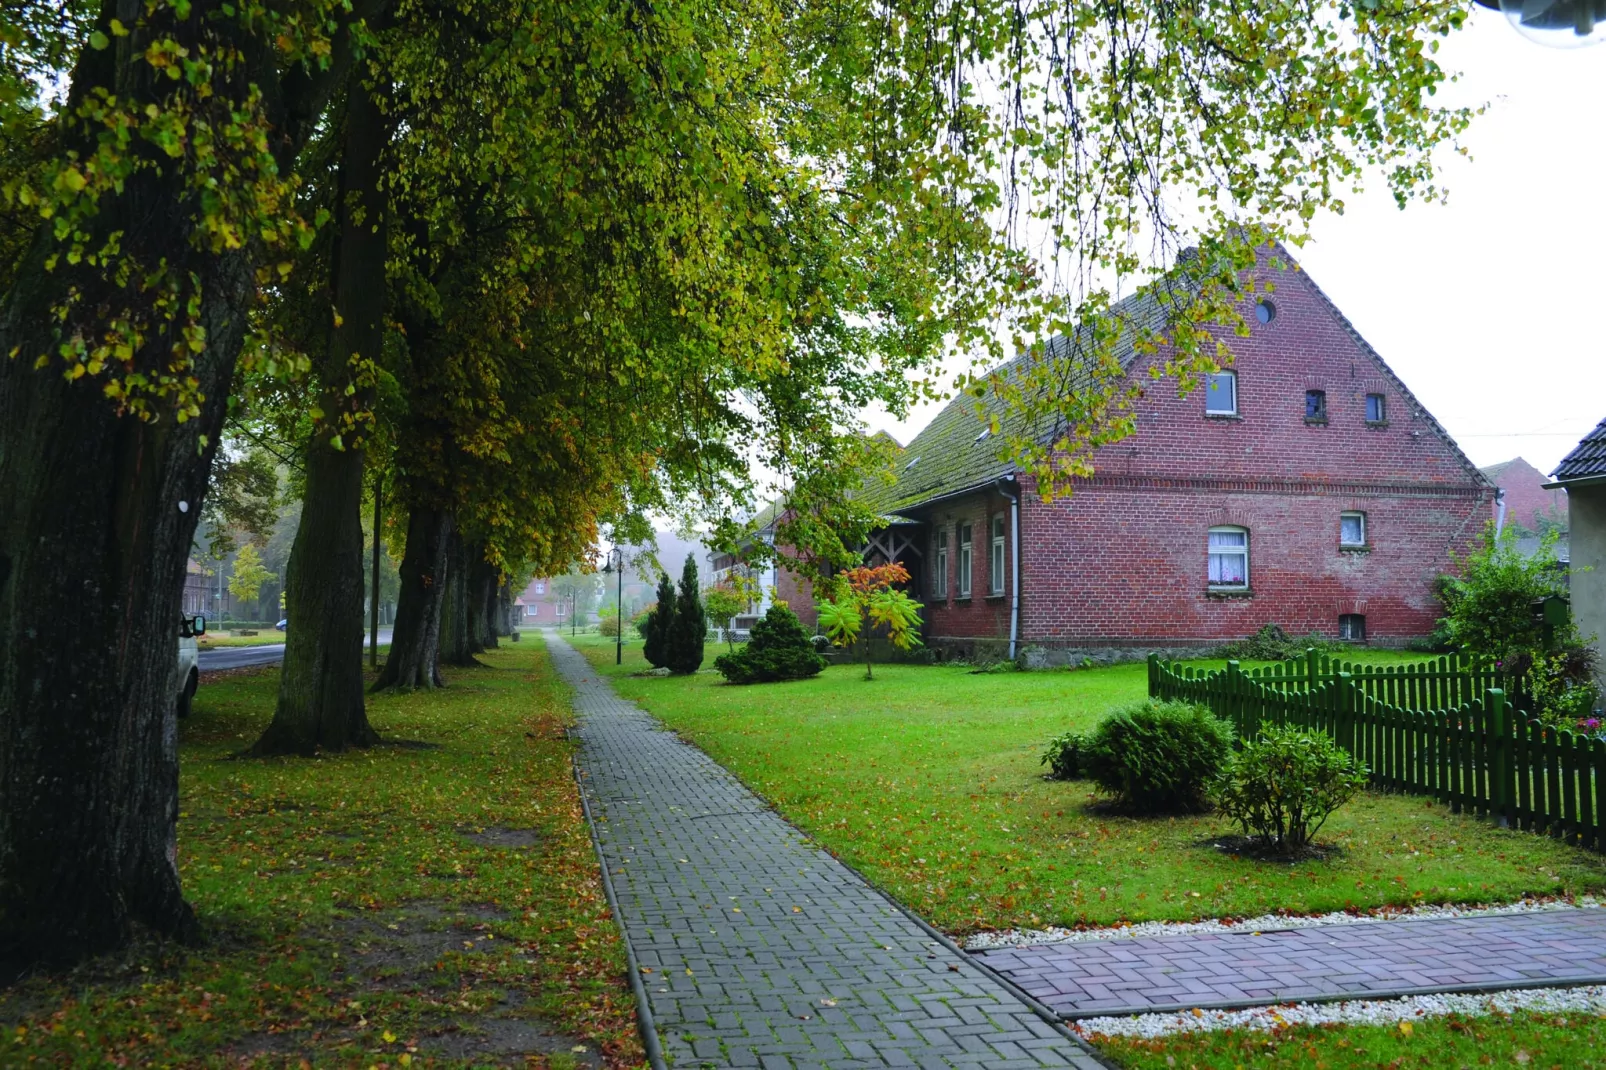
[[504, 609], [321, 685], [457, 612], [488, 579], [414, 659]]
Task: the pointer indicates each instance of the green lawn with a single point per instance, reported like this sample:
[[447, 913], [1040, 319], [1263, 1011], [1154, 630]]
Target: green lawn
[[1519, 1042], [927, 779], [421, 904], [264, 637]]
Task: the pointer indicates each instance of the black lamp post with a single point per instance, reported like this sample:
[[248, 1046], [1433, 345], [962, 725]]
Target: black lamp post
[[616, 564]]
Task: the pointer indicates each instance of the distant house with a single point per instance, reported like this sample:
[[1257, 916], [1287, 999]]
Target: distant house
[[539, 605], [1528, 500], [1305, 487], [1582, 474]]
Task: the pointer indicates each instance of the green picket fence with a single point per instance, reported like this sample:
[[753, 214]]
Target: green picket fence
[[1468, 749]]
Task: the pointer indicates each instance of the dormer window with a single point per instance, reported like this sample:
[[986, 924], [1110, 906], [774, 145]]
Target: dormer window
[[1221, 394]]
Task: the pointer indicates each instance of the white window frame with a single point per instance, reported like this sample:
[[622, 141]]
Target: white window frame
[[995, 562], [1210, 552], [939, 575], [1345, 515], [1212, 397], [966, 563]]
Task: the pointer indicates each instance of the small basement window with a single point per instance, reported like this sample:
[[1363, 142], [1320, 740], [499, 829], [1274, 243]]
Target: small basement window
[[1316, 405], [1377, 411], [1221, 394], [1352, 529], [1352, 626]]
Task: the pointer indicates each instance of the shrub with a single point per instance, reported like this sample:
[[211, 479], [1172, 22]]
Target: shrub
[[1272, 643], [723, 603], [779, 649], [643, 621], [1064, 756], [1285, 783], [688, 631], [1157, 757], [608, 625], [655, 638]]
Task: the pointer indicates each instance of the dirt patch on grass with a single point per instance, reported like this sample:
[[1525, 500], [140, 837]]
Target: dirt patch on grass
[[1250, 847], [497, 836]]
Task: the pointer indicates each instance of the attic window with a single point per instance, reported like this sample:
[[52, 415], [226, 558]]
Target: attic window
[[911, 464], [984, 433], [1265, 312]]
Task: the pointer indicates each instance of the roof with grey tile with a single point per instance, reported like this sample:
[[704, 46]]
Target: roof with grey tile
[[1587, 460]]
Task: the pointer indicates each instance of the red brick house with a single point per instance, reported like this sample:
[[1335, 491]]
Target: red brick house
[[1529, 503], [1304, 487], [539, 605]]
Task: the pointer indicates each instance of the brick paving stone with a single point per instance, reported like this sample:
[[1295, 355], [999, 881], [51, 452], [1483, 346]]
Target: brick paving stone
[[747, 926], [1368, 960]]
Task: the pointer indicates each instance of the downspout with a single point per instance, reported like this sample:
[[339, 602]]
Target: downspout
[[1011, 490], [1499, 512]]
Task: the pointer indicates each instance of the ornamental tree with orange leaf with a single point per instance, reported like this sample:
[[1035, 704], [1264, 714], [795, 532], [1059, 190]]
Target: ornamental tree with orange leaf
[[868, 598]]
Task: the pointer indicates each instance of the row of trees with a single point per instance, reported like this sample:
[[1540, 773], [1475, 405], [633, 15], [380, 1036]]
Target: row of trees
[[519, 272]]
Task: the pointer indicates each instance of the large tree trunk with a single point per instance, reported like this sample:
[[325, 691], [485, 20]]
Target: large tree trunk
[[457, 612], [487, 579], [321, 686], [414, 659]]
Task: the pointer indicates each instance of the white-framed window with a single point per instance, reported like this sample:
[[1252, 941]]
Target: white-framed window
[[1352, 626], [963, 586], [540, 586], [1229, 558], [995, 571], [1221, 394], [1377, 409], [939, 572], [1352, 529]]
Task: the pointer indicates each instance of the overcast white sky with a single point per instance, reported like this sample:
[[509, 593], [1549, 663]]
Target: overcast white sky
[[1492, 307]]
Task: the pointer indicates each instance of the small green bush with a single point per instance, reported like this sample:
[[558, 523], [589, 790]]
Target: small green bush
[[1272, 643], [1157, 757], [779, 649], [1064, 756], [1284, 784]]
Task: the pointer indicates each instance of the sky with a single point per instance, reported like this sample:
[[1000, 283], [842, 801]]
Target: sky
[[1491, 307]]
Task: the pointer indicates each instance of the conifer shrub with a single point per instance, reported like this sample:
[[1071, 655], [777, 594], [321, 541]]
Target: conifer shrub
[[1063, 756], [1157, 757], [688, 631], [779, 649], [655, 636]]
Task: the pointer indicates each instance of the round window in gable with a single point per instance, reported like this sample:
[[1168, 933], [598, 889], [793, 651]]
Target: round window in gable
[[1265, 312]]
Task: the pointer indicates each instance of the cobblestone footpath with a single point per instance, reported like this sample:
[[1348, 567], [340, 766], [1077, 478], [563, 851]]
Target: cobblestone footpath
[[1366, 961], [763, 951]]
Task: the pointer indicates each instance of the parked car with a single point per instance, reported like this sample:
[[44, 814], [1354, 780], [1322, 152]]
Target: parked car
[[189, 662], [283, 624]]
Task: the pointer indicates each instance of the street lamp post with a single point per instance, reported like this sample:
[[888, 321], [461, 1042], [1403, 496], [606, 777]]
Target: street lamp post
[[616, 564]]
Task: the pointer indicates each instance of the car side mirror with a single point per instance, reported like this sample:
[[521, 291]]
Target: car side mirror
[[194, 626]]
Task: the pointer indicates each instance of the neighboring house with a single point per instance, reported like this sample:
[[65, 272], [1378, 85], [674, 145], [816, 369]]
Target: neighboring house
[[1582, 474], [1530, 501], [771, 581], [1304, 487], [539, 605], [200, 591]]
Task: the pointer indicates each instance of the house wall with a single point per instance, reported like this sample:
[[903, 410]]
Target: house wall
[[980, 623], [1527, 500], [1588, 570]]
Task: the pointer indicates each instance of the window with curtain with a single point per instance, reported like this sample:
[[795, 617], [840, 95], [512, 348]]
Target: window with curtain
[[964, 561], [996, 571], [1229, 557]]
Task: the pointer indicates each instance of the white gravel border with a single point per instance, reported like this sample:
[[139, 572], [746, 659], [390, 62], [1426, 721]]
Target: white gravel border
[[1266, 922], [1589, 999]]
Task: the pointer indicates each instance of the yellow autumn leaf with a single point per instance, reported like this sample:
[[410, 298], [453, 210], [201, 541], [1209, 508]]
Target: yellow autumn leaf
[[1405, 1029]]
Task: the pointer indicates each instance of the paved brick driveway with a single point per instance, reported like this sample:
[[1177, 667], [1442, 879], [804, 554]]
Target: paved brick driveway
[[763, 950], [1365, 961]]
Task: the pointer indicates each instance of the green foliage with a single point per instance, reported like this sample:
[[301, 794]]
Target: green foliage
[[722, 604], [688, 631], [1157, 757], [249, 574], [865, 598], [1489, 605], [655, 636], [642, 621], [778, 649], [1272, 643], [1063, 756], [608, 622], [1284, 784]]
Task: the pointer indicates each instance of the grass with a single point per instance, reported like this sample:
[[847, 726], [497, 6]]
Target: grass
[[428, 904], [927, 779], [264, 637], [1532, 1041]]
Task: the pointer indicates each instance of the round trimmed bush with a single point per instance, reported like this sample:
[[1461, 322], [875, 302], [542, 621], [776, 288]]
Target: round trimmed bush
[[1157, 757], [1285, 783]]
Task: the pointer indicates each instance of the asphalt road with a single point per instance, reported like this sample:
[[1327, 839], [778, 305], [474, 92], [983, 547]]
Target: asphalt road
[[240, 657]]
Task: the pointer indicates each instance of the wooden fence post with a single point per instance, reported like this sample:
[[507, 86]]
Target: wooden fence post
[[1349, 716], [1154, 675], [1502, 771]]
